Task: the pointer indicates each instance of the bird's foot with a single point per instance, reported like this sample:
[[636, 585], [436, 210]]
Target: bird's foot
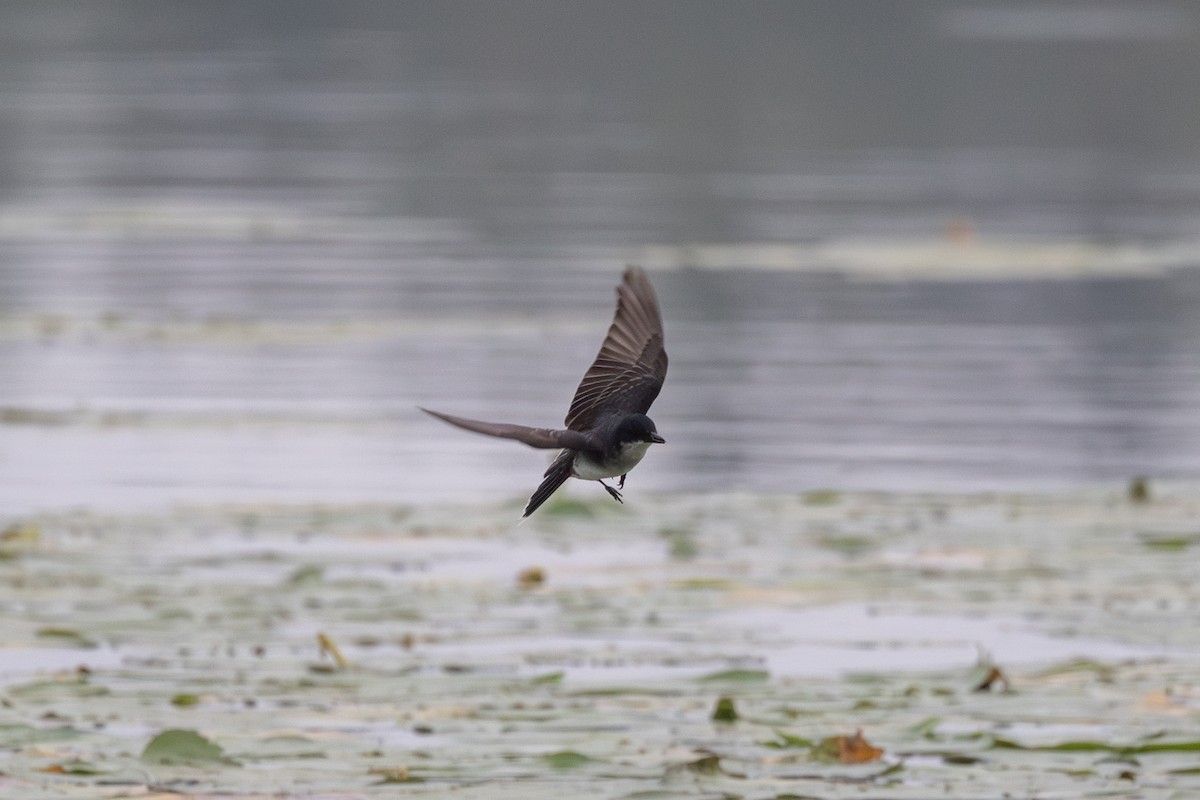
[[621, 484], [615, 494]]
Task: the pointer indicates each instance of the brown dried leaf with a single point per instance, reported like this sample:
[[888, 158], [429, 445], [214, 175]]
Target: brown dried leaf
[[330, 648], [995, 679], [531, 577], [847, 749]]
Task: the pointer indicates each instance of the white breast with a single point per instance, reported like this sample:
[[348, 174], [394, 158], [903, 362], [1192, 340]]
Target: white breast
[[594, 470]]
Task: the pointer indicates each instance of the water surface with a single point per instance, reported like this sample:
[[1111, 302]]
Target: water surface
[[237, 251]]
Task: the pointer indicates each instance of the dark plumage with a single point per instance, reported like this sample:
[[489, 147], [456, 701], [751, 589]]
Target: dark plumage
[[607, 431]]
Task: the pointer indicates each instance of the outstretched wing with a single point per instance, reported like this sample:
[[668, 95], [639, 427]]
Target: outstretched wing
[[632, 364], [534, 437]]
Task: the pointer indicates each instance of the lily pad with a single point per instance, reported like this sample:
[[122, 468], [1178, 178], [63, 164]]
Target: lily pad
[[66, 636], [725, 711], [72, 768], [567, 759], [787, 740], [181, 746], [736, 676], [306, 575]]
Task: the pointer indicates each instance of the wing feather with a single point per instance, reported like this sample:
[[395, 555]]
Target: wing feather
[[630, 368], [546, 438]]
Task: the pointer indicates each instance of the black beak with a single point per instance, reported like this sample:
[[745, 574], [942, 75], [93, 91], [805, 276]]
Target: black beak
[[654, 437]]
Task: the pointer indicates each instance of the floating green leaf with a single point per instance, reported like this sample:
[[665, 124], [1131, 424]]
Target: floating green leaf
[[850, 545], [822, 497], [725, 711], [681, 542], [181, 746], [1103, 671], [1087, 746], [736, 676], [1139, 489], [566, 759], [73, 768], [785, 740], [18, 537], [926, 728], [18, 736], [66, 636], [1169, 543], [719, 584], [76, 687], [707, 765], [306, 575]]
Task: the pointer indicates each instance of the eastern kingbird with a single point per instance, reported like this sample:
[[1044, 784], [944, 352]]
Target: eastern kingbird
[[607, 430]]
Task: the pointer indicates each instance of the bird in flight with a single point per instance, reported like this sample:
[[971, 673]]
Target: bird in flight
[[607, 431]]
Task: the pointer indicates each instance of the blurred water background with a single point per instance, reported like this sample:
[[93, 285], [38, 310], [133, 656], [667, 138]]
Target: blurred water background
[[945, 245]]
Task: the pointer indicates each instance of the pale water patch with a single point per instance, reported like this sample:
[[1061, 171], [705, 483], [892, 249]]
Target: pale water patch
[[19, 662], [935, 258], [836, 641]]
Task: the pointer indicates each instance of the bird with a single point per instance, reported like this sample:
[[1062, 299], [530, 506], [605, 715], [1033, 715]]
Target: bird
[[607, 431]]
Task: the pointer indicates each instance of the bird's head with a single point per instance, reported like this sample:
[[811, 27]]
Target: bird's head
[[638, 428]]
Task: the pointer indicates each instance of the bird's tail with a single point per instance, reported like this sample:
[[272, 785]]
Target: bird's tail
[[555, 476]]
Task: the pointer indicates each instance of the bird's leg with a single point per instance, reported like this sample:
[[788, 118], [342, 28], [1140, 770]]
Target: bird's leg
[[621, 485], [615, 494]]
